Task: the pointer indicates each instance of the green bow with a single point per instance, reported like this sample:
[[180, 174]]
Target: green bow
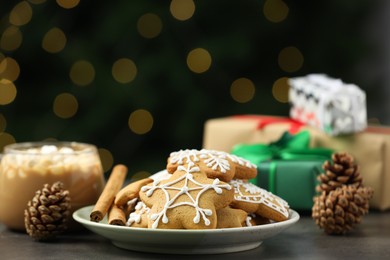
[[288, 147]]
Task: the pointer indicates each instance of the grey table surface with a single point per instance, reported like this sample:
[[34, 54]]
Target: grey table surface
[[304, 240]]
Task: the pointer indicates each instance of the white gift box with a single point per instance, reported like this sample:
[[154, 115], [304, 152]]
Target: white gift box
[[329, 104]]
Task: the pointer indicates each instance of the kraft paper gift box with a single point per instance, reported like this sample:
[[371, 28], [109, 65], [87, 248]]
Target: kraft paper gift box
[[370, 148], [328, 104], [287, 168]]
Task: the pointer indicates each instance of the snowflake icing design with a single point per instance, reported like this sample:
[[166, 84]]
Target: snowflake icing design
[[188, 155], [258, 196], [184, 190], [215, 160], [224, 156]]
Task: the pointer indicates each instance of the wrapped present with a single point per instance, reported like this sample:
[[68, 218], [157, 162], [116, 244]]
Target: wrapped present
[[223, 133], [370, 148], [287, 167], [328, 104]]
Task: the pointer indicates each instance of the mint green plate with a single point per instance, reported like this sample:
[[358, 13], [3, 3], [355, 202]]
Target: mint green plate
[[174, 241]]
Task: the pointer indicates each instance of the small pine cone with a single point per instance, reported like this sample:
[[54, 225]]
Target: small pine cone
[[340, 210], [47, 213], [341, 171]]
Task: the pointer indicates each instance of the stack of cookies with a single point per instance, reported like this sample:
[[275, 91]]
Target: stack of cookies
[[203, 189]]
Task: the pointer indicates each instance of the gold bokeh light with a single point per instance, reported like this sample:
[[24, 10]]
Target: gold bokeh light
[[199, 60], [11, 39], [290, 59], [54, 40], [9, 69], [65, 105], [280, 89], [124, 70], [275, 11], [106, 158], [82, 73], [242, 90], [68, 4], [7, 92], [6, 139], [182, 9], [21, 14], [140, 121], [149, 25]]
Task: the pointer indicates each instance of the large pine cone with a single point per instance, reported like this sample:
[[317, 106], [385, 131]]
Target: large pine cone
[[341, 171], [338, 211], [47, 213]]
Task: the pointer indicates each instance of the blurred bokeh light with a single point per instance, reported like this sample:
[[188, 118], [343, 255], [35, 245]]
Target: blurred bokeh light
[[242, 90], [82, 73], [140, 121], [7, 91], [54, 40], [149, 25], [182, 9], [199, 60], [65, 105], [124, 70]]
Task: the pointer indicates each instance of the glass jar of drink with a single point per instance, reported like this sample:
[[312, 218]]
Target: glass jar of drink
[[26, 167]]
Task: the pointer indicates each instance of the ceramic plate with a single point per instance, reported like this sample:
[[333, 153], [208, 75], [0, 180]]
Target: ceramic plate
[[172, 241]]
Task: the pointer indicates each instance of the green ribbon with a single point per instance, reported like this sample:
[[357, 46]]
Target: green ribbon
[[272, 177], [288, 147]]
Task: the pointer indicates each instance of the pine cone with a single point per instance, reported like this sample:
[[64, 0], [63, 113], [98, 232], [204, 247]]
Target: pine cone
[[47, 213], [341, 171], [338, 211]]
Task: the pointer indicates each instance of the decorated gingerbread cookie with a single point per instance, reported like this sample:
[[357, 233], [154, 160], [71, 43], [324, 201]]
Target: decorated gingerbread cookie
[[140, 216], [187, 200], [215, 164], [253, 199]]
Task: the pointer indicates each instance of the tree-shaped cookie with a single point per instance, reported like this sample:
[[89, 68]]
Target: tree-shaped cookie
[[187, 200]]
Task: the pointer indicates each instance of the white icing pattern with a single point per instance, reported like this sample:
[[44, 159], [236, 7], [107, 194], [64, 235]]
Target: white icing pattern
[[248, 220], [215, 160], [178, 157], [136, 216], [184, 190], [259, 196]]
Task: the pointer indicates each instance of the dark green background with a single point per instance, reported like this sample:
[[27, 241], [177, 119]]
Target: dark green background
[[336, 37]]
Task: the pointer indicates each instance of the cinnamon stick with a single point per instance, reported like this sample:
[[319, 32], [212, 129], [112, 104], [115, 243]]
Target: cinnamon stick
[[116, 216], [114, 184]]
